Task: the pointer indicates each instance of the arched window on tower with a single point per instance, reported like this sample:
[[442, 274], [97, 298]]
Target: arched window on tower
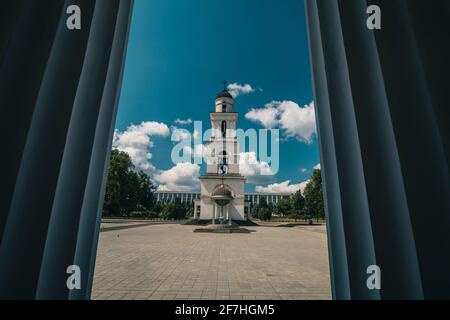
[[224, 159], [224, 129], [224, 107]]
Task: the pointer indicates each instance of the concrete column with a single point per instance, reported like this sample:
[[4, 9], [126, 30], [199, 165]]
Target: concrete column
[[214, 214], [359, 78], [33, 69], [229, 214]]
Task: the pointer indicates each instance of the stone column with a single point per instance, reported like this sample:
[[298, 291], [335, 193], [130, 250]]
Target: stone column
[[214, 214], [377, 94], [229, 214], [79, 129]]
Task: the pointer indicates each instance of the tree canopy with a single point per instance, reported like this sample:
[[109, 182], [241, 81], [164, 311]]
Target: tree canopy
[[126, 189], [313, 194], [301, 205]]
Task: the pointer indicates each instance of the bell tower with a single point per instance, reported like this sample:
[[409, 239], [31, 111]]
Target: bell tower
[[222, 180], [223, 149]]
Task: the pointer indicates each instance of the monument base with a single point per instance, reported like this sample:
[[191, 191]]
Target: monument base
[[223, 228]]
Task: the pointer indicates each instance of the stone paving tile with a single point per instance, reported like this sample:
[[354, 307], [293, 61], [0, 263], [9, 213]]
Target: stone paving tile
[[167, 262]]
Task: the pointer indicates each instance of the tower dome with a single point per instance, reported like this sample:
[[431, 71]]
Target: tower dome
[[224, 100], [224, 94]]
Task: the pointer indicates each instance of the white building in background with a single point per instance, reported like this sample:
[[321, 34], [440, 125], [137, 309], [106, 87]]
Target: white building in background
[[189, 197], [171, 196]]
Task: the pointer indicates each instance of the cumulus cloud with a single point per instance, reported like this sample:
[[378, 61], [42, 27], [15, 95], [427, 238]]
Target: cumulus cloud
[[182, 177], [298, 122], [317, 166], [183, 122], [294, 121], [237, 89], [136, 141], [267, 116], [255, 171], [283, 187]]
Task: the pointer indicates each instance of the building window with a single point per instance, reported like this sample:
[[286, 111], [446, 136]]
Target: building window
[[224, 107], [223, 158], [224, 129]]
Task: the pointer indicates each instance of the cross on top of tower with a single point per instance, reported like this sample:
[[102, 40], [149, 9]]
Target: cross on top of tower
[[224, 93]]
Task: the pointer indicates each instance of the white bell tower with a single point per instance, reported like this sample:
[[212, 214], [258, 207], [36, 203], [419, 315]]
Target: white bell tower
[[222, 176], [223, 149]]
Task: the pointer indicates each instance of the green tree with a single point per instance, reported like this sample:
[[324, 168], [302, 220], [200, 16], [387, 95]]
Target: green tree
[[284, 207], [264, 214], [313, 194], [126, 190], [130, 193], [158, 207], [146, 191], [119, 167], [263, 203], [174, 211], [298, 202], [263, 210]]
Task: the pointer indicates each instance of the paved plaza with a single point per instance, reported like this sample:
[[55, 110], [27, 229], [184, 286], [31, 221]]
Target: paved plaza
[[169, 261]]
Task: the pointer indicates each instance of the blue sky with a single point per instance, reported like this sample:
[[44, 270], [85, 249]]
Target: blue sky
[[179, 53]]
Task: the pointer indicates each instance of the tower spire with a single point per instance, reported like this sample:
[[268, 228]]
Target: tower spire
[[225, 85]]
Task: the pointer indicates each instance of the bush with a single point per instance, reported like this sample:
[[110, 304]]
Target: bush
[[144, 214], [264, 214], [293, 214], [173, 211]]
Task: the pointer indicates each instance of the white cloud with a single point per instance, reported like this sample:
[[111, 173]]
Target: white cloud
[[304, 170], [136, 141], [283, 187], [295, 121], [267, 116], [298, 122], [236, 89], [182, 177], [317, 166], [183, 122], [255, 171]]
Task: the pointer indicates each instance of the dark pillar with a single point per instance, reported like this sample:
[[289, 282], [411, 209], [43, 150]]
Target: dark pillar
[[61, 87], [382, 109]]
